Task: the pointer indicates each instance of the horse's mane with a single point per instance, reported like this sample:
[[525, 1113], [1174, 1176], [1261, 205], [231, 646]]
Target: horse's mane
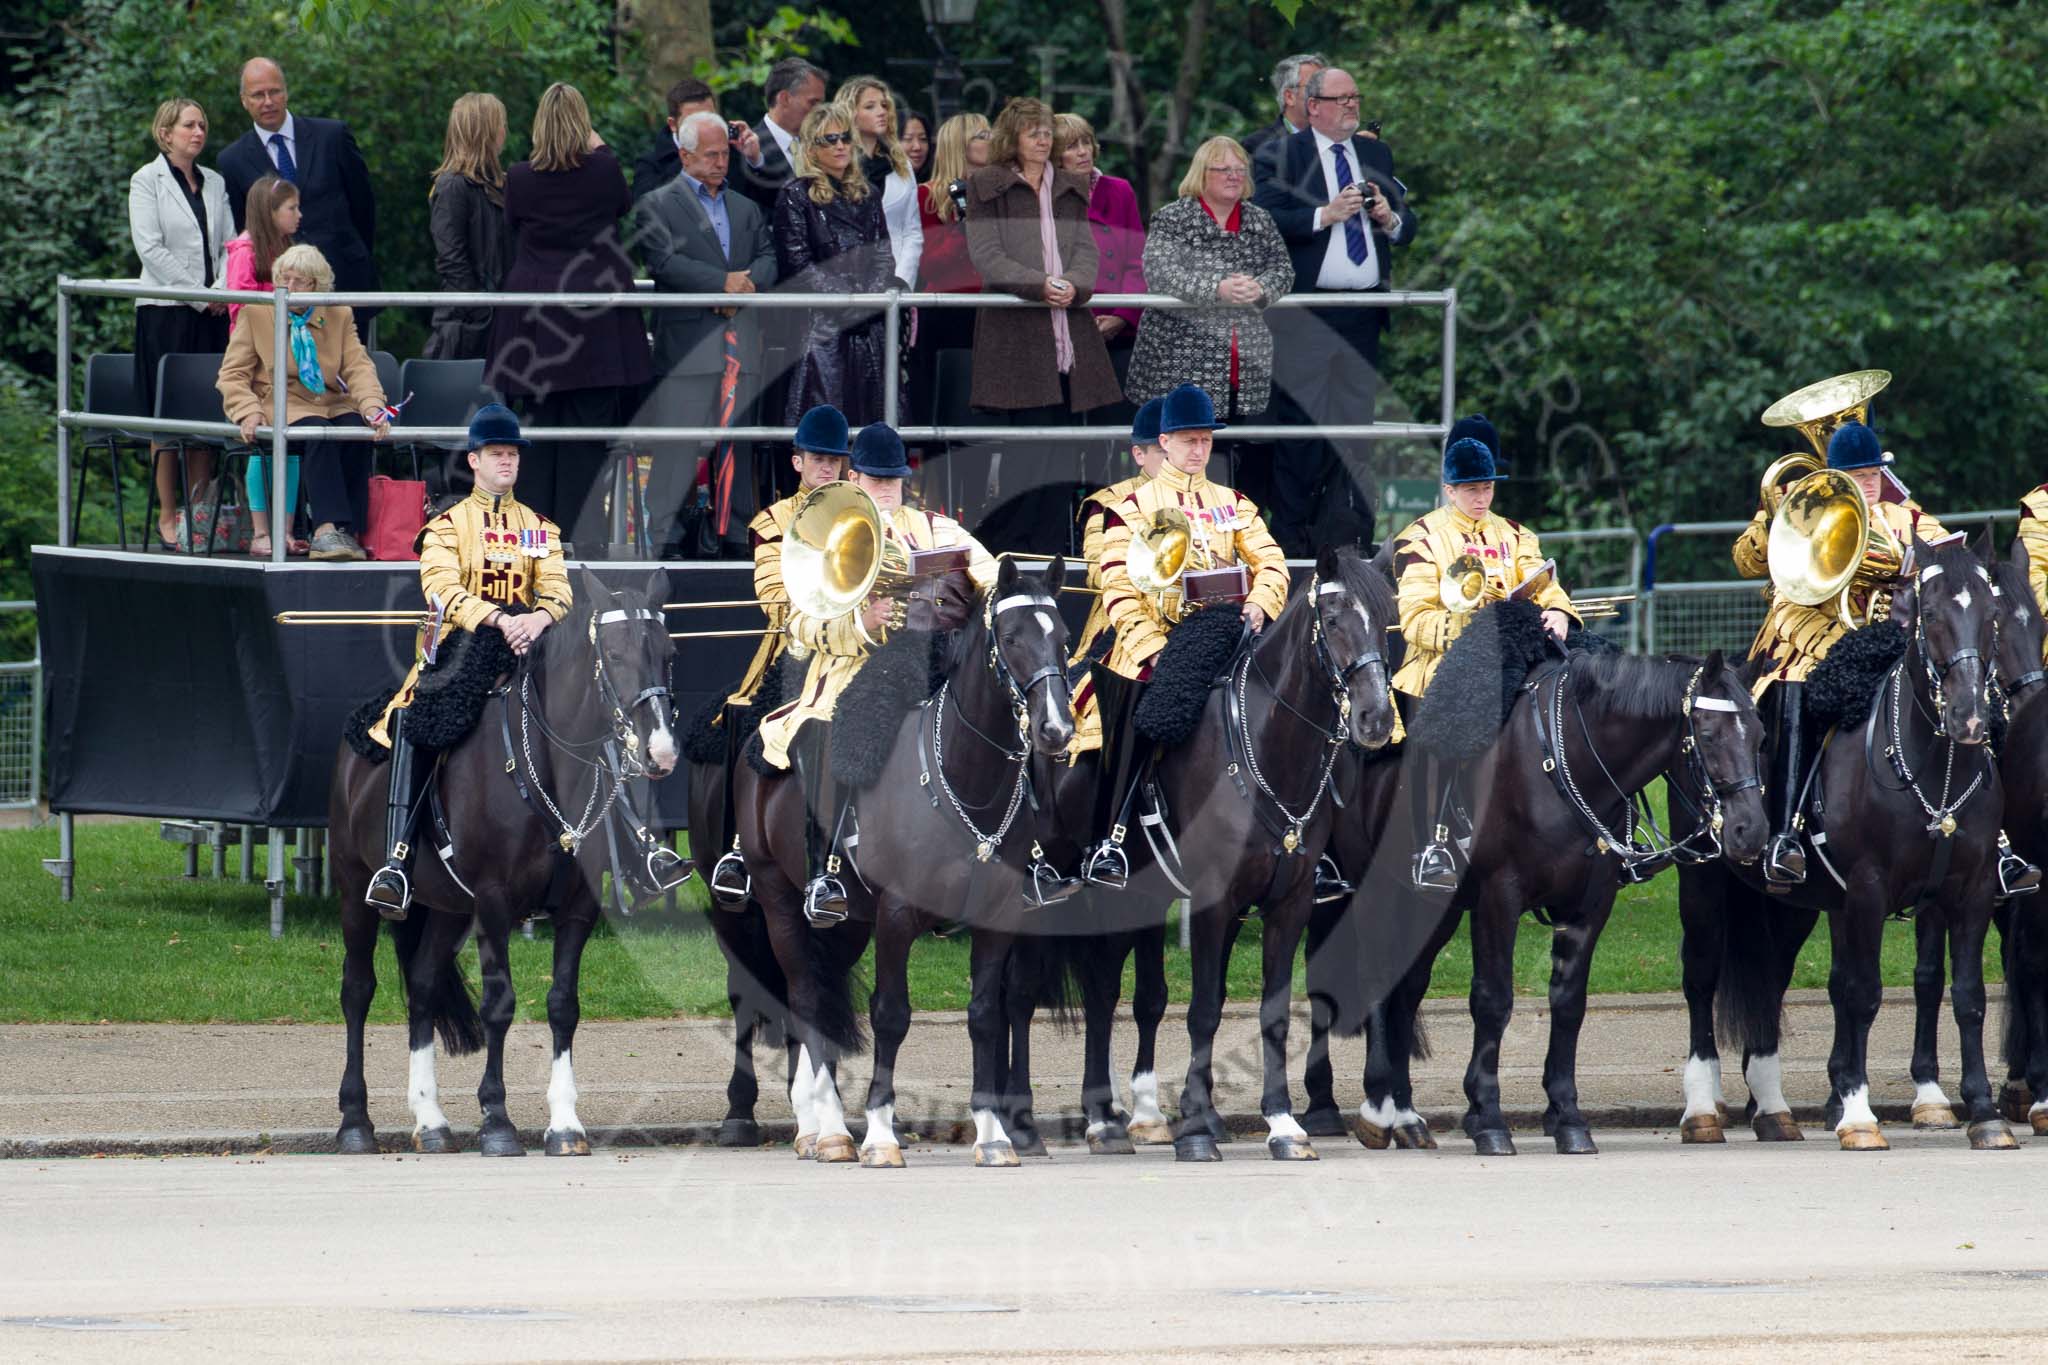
[[1630, 686]]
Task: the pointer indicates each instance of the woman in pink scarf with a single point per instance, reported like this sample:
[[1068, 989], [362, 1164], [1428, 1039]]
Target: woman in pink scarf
[[1028, 235], [1119, 231]]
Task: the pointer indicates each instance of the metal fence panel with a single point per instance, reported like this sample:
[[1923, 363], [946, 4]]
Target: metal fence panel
[[21, 725]]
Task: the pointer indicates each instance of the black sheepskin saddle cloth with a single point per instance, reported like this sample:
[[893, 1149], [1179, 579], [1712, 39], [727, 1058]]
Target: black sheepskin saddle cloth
[[706, 736], [1198, 652], [1474, 688], [1842, 687], [449, 699], [903, 673]]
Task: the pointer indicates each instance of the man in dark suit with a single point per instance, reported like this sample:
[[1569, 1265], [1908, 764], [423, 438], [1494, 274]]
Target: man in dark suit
[[319, 155], [794, 88], [697, 237], [1334, 198], [657, 165], [1290, 74]]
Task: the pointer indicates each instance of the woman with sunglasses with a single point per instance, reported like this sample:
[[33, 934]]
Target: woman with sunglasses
[[831, 237]]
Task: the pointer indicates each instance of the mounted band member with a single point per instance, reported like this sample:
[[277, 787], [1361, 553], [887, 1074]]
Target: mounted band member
[[1797, 637], [820, 459], [798, 730], [2034, 535], [488, 563], [1447, 565], [1096, 635], [1175, 522]]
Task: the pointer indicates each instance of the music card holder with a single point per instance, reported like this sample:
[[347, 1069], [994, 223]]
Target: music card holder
[[937, 563], [1541, 577], [1207, 587]]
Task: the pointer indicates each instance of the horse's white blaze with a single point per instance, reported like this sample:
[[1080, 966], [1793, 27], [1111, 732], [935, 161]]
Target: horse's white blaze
[[825, 1104], [661, 744], [881, 1128], [1702, 1086], [562, 1097], [1283, 1126], [422, 1093], [1929, 1092], [1856, 1110], [1145, 1098], [1045, 622], [1766, 1077], [800, 1094], [1963, 599], [988, 1128]]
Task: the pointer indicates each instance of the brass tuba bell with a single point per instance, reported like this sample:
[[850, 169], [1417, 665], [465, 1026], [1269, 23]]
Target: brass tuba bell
[[1158, 555], [1821, 530], [837, 553]]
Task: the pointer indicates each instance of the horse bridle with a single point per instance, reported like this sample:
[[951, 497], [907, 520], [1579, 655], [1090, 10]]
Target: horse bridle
[[1340, 676], [1712, 792], [1937, 675], [622, 710]]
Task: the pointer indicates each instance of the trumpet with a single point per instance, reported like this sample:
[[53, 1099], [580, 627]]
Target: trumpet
[[351, 618]]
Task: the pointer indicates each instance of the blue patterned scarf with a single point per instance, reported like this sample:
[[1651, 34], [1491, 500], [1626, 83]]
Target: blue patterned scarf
[[305, 354]]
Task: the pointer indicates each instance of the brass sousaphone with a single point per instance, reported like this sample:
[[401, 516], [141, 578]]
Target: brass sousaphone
[[1821, 531]]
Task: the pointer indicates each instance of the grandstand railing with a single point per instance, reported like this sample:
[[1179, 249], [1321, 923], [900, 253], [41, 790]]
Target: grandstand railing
[[1696, 616], [890, 304]]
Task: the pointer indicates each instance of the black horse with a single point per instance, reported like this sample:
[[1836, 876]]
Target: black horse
[[1553, 830], [1246, 817], [526, 798], [937, 838], [1904, 812]]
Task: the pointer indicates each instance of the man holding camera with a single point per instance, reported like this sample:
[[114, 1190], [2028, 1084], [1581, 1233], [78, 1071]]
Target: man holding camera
[[657, 165], [1334, 197]]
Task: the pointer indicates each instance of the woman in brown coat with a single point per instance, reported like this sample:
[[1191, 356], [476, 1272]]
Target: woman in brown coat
[[332, 383], [1028, 235]]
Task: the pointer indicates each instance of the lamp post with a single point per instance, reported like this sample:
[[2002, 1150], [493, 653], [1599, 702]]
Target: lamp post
[[947, 76]]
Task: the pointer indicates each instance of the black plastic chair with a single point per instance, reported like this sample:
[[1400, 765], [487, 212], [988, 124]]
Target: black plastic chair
[[185, 392], [445, 393], [110, 389], [388, 372]]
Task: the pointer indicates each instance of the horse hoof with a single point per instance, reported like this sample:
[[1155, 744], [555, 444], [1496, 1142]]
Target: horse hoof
[[739, 1133], [1721, 1112], [356, 1141], [995, 1154], [882, 1157], [806, 1146], [1029, 1144], [1574, 1139], [1374, 1137], [2015, 1100], [1493, 1142], [1151, 1132], [2038, 1121], [500, 1142], [1196, 1147], [835, 1149], [1862, 1137], [1291, 1149], [1702, 1128], [572, 1142], [1991, 1136], [1111, 1141], [1324, 1123], [1777, 1127], [1414, 1137], [434, 1141], [1934, 1118]]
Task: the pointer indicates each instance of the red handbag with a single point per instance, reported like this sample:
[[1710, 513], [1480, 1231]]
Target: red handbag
[[398, 512]]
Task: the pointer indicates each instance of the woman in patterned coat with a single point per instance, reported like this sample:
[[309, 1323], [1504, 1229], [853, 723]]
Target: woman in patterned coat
[[1216, 248]]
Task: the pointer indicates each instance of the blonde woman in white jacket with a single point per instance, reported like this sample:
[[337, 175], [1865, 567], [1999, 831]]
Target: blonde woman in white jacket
[[871, 109], [179, 220]]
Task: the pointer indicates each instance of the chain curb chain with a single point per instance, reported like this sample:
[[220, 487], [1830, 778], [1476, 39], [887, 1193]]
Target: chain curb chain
[[572, 835], [985, 845], [1942, 819], [1251, 763], [1629, 852]]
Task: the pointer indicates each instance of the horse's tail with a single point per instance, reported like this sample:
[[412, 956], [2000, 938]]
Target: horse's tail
[[1749, 999], [835, 991], [754, 979], [1046, 969], [453, 1006], [2020, 981]]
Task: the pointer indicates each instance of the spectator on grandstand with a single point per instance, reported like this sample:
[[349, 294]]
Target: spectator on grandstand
[[870, 107], [915, 133], [794, 87], [961, 147], [466, 214], [831, 237], [272, 213], [332, 383], [1213, 248], [1290, 74], [657, 165], [1119, 231], [1028, 235], [178, 220], [568, 367], [698, 236], [320, 156]]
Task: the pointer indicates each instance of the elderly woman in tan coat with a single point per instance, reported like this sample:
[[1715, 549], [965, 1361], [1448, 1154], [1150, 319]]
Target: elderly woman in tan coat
[[1028, 235], [331, 382]]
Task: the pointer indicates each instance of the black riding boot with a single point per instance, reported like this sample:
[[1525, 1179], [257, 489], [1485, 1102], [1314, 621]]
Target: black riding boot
[[390, 890], [824, 893], [1116, 700], [731, 883], [1331, 883], [1436, 869], [1785, 856], [2016, 876]]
